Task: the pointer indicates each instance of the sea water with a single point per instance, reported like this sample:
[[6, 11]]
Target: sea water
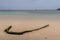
[[47, 13]]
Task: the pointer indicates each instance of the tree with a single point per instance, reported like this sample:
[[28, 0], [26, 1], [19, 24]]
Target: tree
[[58, 9]]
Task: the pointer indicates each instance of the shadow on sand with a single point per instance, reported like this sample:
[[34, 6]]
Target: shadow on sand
[[21, 33]]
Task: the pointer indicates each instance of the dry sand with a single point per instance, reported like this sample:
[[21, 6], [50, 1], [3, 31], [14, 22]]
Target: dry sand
[[21, 23]]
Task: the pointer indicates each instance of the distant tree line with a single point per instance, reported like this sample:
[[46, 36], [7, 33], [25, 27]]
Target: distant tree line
[[58, 9]]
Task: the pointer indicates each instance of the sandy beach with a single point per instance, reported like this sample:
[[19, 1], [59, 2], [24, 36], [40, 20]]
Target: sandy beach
[[21, 23]]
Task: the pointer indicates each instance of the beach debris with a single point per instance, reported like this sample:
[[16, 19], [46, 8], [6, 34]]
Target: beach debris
[[45, 37], [23, 32]]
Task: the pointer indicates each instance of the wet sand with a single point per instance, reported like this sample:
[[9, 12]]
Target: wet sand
[[21, 23]]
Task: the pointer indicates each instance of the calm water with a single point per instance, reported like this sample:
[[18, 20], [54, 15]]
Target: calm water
[[22, 20], [32, 13], [29, 12]]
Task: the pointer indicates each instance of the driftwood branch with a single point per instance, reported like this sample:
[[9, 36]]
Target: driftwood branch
[[21, 33]]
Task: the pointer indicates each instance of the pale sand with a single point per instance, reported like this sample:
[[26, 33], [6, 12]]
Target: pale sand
[[27, 23]]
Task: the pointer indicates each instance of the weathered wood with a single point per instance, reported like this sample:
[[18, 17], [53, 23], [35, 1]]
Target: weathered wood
[[21, 33]]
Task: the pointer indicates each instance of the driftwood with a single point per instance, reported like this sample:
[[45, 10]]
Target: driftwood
[[21, 33]]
